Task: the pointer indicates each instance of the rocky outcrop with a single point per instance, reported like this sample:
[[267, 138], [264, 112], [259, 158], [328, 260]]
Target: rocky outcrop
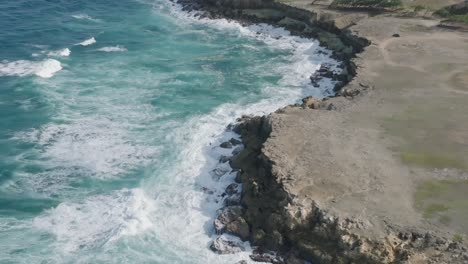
[[265, 212], [305, 231], [224, 245]]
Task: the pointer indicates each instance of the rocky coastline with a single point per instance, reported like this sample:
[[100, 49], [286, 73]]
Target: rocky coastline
[[261, 208]]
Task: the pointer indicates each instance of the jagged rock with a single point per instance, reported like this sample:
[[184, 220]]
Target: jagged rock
[[235, 142], [257, 236], [223, 245], [264, 14], [206, 190], [239, 228], [311, 102], [238, 177], [225, 216], [232, 188], [266, 257], [331, 107], [218, 172], [237, 150], [226, 144], [224, 159], [291, 23], [350, 92], [230, 220], [234, 199]]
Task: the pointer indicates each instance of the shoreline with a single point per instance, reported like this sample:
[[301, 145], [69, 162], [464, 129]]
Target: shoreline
[[271, 217]]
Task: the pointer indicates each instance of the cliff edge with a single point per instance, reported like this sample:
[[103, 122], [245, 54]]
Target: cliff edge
[[377, 174]]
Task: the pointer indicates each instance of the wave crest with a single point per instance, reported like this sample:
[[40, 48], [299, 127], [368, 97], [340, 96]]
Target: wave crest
[[87, 42], [113, 49], [98, 220], [43, 69]]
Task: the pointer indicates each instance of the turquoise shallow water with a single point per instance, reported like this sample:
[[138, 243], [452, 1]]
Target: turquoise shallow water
[[110, 114]]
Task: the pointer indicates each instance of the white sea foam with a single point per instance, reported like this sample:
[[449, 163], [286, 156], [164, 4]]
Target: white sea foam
[[87, 42], [113, 49], [44, 69], [85, 17], [307, 56], [184, 208], [98, 220], [48, 68], [170, 207], [60, 53], [98, 147]]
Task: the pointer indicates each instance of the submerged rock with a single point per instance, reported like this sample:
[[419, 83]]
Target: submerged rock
[[219, 172], [226, 144], [224, 159]]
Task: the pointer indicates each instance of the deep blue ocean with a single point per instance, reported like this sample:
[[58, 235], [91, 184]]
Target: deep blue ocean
[[110, 117]]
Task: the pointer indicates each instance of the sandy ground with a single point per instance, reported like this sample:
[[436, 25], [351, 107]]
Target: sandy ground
[[397, 155]]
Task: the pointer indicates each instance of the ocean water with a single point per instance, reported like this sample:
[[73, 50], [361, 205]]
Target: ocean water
[[110, 117]]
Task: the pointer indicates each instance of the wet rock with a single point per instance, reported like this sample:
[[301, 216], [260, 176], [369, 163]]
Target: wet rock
[[225, 216], [232, 188], [235, 142], [232, 200], [206, 190], [239, 228], [218, 172], [238, 178], [258, 236], [223, 245], [293, 259], [224, 159], [237, 150], [266, 257], [230, 220], [226, 145]]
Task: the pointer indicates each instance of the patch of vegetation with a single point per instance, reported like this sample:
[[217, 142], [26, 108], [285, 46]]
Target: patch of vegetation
[[445, 219], [432, 189], [434, 208], [457, 238], [454, 13], [425, 134], [367, 3], [444, 201], [419, 8], [431, 160]]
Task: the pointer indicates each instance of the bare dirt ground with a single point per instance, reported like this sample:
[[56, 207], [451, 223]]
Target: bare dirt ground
[[396, 155]]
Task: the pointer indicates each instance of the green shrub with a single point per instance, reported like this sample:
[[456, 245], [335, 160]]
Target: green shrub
[[454, 13], [458, 238], [368, 3], [419, 8]]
